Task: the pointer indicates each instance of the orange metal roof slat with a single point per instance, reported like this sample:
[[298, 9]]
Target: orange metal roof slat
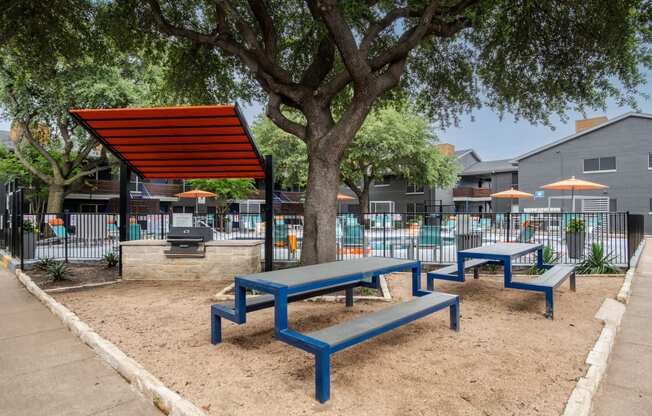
[[178, 139], [177, 142]]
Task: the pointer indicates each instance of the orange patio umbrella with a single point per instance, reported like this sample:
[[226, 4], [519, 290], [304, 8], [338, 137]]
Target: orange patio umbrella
[[512, 194], [344, 197], [574, 184], [196, 194]]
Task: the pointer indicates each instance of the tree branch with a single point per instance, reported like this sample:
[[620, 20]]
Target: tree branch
[[275, 114], [23, 160], [83, 173], [342, 35], [266, 24]]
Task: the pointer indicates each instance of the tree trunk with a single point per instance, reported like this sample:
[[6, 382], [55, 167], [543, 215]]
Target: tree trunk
[[56, 194], [320, 213], [363, 200]]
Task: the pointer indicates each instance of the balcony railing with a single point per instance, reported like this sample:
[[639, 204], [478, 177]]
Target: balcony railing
[[153, 190], [469, 192]]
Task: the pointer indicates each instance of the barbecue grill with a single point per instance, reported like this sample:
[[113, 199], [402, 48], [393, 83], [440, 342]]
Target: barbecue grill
[[188, 241]]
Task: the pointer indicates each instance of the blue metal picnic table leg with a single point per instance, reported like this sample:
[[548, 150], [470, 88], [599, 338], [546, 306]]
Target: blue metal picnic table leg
[[460, 266], [540, 258], [550, 303], [216, 328], [323, 376], [416, 279], [349, 297], [507, 267], [455, 316], [281, 310]]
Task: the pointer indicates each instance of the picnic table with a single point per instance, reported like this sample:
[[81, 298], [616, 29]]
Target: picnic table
[[504, 254], [289, 285]]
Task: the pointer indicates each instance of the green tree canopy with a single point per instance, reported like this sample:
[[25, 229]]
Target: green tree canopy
[[58, 57], [391, 142], [332, 61]]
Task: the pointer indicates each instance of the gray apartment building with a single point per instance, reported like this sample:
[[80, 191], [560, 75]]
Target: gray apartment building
[[478, 179], [616, 153]]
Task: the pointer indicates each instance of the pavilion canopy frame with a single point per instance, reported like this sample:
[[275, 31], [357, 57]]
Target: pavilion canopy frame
[[192, 142], [177, 142]]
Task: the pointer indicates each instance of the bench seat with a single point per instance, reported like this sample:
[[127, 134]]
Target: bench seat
[[351, 332], [554, 276], [450, 272], [324, 342], [547, 283]]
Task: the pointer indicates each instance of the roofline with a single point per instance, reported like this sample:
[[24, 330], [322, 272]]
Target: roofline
[[581, 133], [472, 151], [484, 172]]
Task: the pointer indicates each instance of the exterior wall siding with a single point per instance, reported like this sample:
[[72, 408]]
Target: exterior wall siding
[[629, 140]]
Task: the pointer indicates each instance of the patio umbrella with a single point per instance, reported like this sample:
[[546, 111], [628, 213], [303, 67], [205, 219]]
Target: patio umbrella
[[196, 194], [511, 194], [572, 185]]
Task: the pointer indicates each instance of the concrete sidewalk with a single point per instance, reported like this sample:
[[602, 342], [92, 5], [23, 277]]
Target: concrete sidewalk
[[627, 387], [46, 370]]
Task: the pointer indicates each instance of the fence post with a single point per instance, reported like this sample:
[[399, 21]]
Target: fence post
[[66, 222], [269, 213], [628, 239], [384, 234], [22, 237]]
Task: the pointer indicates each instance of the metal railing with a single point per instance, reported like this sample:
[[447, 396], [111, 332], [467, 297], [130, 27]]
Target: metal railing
[[429, 237]]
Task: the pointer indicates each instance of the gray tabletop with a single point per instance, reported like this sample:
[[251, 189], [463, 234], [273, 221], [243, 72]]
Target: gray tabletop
[[298, 276], [504, 249]]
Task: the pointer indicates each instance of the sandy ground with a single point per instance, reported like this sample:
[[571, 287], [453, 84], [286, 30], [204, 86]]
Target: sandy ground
[[507, 359]]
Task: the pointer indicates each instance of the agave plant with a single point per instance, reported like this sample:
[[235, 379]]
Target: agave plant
[[549, 257], [597, 262], [58, 271], [111, 259]]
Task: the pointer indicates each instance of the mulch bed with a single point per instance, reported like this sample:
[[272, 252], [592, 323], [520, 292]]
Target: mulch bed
[[80, 274]]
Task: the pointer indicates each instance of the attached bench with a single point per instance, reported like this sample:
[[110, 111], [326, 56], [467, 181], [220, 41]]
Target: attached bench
[[450, 272], [327, 341], [547, 283]]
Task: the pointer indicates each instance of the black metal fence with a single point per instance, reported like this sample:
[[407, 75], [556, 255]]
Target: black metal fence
[[429, 237]]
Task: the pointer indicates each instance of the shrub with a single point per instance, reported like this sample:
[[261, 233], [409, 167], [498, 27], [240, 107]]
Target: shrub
[[29, 227], [597, 262], [549, 257], [575, 225], [44, 264], [111, 259], [58, 271]]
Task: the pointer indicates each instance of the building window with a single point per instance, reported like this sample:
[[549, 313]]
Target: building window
[[414, 189], [600, 164], [650, 206], [613, 205], [649, 160], [382, 182], [515, 180]]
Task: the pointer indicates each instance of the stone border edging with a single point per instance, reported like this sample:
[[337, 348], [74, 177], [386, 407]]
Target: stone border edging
[[626, 289], [611, 313], [166, 400]]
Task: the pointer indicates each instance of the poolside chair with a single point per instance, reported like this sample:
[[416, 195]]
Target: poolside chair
[[525, 235], [353, 241], [134, 231], [281, 234], [429, 236]]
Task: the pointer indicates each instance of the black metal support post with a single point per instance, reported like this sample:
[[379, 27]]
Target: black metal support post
[[124, 208], [269, 213], [19, 194]]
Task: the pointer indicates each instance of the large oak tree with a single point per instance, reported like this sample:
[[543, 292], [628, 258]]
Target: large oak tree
[[322, 58]]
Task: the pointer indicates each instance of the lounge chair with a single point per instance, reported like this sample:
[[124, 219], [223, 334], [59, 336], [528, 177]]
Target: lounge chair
[[353, 241]]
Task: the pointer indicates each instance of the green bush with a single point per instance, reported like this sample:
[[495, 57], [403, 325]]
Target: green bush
[[58, 271], [44, 264], [549, 257], [111, 259], [29, 227], [576, 225], [597, 262]]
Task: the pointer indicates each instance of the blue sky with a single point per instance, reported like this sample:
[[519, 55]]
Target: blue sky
[[493, 138]]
